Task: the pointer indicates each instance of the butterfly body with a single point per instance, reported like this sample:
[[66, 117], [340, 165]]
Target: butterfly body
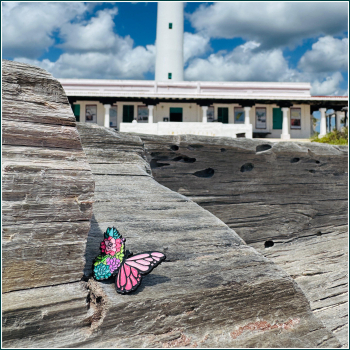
[[127, 268]]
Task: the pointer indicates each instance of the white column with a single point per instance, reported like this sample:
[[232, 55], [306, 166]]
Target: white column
[[285, 125], [204, 117], [246, 115], [107, 107], [135, 114], [338, 115], [323, 123], [150, 114]]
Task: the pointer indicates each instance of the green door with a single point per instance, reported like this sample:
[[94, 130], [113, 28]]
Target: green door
[[76, 111], [277, 118], [223, 115], [128, 114], [175, 114]]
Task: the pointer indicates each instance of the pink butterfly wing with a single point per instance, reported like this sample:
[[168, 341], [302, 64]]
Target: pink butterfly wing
[[129, 274]]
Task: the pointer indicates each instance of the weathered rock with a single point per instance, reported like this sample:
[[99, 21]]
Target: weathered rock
[[289, 195], [212, 291], [318, 265], [47, 186]]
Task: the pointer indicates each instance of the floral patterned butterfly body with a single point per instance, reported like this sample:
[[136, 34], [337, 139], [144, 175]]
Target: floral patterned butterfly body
[[128, 268]]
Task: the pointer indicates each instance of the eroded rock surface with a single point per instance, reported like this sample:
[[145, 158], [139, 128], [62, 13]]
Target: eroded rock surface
[[287, 200], [47, 194], [47, 186], [212, 291]]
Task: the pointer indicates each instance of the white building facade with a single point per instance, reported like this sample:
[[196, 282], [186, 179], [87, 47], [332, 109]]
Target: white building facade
[[234, 109]]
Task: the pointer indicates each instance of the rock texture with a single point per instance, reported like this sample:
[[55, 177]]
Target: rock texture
[[212, 291], [47, 185], [287, 200]]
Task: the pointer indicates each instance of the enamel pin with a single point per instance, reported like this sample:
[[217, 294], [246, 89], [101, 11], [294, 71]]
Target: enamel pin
[[128, 268]]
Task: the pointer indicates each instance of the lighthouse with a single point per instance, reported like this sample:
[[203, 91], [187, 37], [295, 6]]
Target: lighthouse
[[169, 42]]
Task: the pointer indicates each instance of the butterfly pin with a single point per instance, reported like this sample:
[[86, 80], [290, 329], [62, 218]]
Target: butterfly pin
[[115, 261]]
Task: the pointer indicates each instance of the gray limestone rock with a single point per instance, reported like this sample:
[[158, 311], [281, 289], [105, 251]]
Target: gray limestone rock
[[47, 185], [291, 195], [213, 290]]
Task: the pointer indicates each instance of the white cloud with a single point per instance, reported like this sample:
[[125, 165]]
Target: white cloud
[[129, 63], [244, 63], [329, 86], [93, 50], [241, 64], [27, 27], [273, 24], [195, 45], [328, 54], [94, 35]]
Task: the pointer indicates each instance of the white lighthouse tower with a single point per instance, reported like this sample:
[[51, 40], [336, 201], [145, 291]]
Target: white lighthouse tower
[[169, 42]]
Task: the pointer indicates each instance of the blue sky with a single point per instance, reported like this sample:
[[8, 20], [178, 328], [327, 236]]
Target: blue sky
[[232, 41]]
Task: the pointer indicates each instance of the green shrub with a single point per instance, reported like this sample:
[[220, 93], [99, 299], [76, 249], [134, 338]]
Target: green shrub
[[334, 137]]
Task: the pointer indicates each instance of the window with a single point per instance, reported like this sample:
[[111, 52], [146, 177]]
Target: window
[[91, 113], [169, 75], [142, 114], [295, 118], [210, 114], [239, 115], [113, 114], [170, 26], [260, 117]]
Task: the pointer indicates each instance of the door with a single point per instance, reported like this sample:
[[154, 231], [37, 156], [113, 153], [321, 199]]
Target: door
[[277, 118], [223, 115], [128, 114], [175, 114], [76, 111]]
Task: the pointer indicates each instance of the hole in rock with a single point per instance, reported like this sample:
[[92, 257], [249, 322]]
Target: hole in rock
[[269, 244], [295, 160], [88, 301], [319, 233], [154, 164], [174, 148], [189, 160], [247, 167], [205, 173], [317, 162], [312, 171], [223, 149], [262, 148], [98, 300], [184, 159]]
